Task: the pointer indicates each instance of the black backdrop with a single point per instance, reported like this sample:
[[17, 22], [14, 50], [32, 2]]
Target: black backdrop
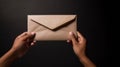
[[91, 23]]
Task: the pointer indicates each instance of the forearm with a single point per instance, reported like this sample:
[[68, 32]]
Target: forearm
[[86, 62], [8, 58]]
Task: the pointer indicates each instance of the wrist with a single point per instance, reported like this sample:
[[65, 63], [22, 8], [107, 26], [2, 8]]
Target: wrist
[[80, 56], [83, 57], [8, 58], [86, 61], [14, 54]]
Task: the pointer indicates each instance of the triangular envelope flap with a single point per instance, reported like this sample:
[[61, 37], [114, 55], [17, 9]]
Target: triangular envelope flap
[[52, 21]]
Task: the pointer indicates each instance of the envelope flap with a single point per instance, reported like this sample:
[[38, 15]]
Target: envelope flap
[[52, 21]]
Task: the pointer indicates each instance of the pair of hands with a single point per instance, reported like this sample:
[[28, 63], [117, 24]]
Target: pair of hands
[[24, 41]]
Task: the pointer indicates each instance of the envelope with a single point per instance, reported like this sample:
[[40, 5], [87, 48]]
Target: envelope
[[52, 27]]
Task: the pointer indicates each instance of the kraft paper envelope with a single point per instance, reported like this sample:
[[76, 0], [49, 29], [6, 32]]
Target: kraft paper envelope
[[52, 27]]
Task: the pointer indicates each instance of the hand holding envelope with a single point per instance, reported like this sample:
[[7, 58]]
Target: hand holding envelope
[[52, 27]]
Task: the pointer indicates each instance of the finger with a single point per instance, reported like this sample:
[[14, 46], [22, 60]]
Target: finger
[[32, 37], [69, 38], [29, 36], [68, 41], [72, 36], [21, 35], [81, 39], [80, 36], [33, 43]]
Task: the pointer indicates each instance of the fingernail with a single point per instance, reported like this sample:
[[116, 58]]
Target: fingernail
[[68, 41], [32, 44], [70, 33], [33, 33], [34, 41]]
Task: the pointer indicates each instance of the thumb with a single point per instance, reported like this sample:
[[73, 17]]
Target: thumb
[[29, 36], [73, 39]]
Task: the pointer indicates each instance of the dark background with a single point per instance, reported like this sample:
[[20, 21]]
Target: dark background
[[92, 23]]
